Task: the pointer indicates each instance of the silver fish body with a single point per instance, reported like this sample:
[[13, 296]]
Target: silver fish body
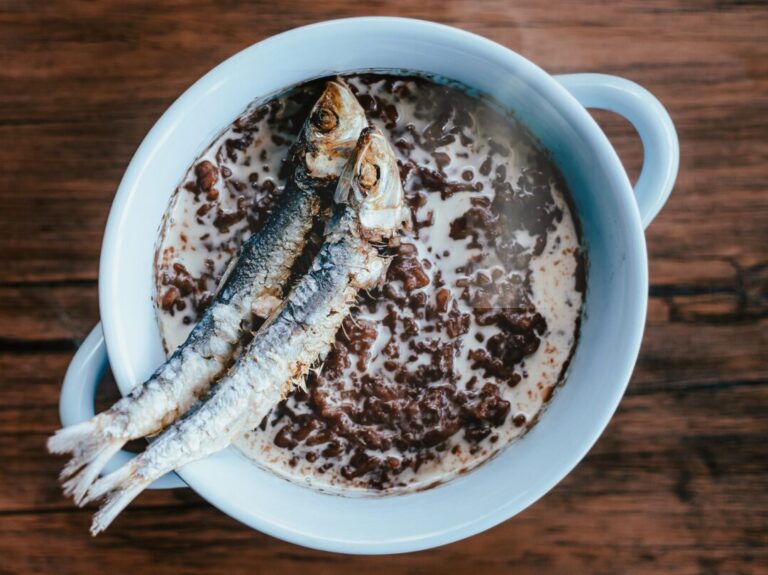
[[296, 335], [253, 284]]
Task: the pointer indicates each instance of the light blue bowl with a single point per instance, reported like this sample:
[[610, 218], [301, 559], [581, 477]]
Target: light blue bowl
[[612, 215]]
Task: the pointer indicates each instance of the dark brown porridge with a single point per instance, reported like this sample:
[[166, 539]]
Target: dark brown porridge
[[456, 354]]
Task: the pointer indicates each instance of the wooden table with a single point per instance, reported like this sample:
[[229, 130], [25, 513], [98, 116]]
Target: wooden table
[[679, 481]]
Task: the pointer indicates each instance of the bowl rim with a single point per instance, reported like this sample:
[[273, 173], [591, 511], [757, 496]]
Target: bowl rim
[[534, 77]]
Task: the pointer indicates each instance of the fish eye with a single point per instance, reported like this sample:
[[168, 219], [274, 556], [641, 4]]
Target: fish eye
[[325, 120], [369, 175]]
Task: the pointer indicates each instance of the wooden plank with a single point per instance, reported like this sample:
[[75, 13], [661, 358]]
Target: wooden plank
[[72, 143], [699, 445], [47, 313], [695, 476], [168, 541]]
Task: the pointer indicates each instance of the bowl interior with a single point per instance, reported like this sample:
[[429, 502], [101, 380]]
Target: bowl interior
[[614, 309]]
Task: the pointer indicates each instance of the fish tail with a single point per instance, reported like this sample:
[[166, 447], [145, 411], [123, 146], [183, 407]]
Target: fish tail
[[115, 503], [69, 439], [91, 449], [118, 489], [77, 485]]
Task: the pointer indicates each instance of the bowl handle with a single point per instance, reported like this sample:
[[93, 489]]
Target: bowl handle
[[661, 151], [81, 381]]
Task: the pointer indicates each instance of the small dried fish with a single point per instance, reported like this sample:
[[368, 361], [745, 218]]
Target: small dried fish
[[369, 211], [253, 283]]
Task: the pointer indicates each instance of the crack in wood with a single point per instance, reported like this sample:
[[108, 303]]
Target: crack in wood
[[20, 346], [688, 387]]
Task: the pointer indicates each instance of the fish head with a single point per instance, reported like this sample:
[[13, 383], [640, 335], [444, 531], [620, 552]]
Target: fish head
[[330, 132], [370, 184]]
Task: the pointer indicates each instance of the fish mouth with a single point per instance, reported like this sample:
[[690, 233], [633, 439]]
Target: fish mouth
[[331, 131], [371, 185]]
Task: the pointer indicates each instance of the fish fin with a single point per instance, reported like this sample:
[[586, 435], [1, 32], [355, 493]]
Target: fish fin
[[265, 304], [118, 488], [69, 439], [91, 449], [115, 503], [112, 481], [301, 383], [77, 485]]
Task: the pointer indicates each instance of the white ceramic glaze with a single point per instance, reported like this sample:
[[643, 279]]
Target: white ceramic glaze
[[612, 230]]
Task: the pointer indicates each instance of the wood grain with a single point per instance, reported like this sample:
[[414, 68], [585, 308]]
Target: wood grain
[[679, 481]]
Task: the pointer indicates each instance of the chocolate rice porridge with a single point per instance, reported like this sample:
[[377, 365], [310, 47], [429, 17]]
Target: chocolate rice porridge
[[456, 354]]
